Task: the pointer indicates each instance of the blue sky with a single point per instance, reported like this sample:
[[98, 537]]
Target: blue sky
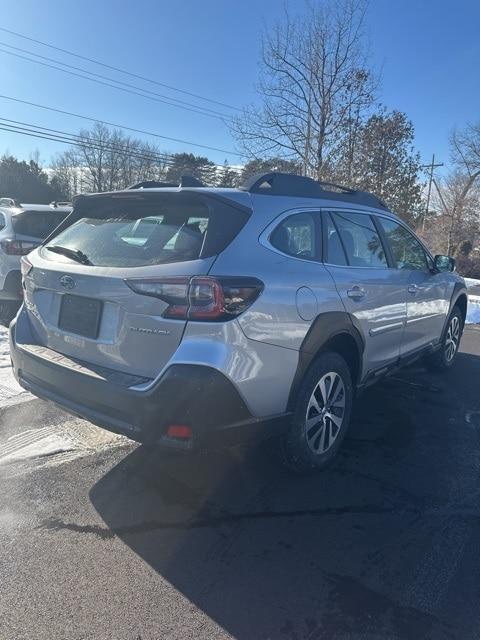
[[428, 53]]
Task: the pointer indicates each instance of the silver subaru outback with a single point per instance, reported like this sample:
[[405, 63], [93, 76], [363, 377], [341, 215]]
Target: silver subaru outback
[[184, 315]]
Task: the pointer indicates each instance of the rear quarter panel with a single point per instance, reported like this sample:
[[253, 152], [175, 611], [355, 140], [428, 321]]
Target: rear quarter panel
[[275, 318]]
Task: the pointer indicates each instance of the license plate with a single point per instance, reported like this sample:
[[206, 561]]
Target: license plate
[[80, 315]]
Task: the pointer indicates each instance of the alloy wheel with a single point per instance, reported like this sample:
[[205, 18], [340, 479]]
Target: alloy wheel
[[325, 413], [452, 338]]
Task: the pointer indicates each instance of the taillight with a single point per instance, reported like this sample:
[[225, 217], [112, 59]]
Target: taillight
[[18, 247], [201, 297], [25, 266], [173, 291]]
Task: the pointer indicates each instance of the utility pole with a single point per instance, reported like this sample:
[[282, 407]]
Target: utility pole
[[431, 166]]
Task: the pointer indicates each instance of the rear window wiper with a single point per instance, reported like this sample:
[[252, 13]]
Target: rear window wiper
[[73, 254]]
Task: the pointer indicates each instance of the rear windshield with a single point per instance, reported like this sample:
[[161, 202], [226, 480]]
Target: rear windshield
[[37, 224], [170, 228]]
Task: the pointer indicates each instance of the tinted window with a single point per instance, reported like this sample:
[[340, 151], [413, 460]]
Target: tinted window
[[360, 240], [335, 252], [2, 221], [407, 251], [128, 233], [37, 224], [296, 235]]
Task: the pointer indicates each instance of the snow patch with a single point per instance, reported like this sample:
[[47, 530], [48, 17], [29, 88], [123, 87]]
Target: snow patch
[[471, 282], [10, 391], [473, 310], [35, 443]]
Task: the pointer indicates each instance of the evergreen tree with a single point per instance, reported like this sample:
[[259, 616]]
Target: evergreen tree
[[26, 182], [227, 177]]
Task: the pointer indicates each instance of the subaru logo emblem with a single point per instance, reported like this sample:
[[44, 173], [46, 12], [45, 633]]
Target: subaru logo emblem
[[67, 282]]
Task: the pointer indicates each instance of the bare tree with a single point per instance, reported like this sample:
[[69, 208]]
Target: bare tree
[[465, 146], [105, 159], [457, 197], [457, 222], [315, 87]]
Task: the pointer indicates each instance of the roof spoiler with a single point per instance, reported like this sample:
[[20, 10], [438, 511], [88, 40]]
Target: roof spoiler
[[289, 184], [185, 181]]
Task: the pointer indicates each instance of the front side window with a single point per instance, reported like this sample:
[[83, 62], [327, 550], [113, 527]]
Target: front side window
[[407, 251], [360, 240], [297, 236]]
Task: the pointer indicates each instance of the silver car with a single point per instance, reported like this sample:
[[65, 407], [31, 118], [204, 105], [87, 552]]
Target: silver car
[[22, 228], [185, 316]]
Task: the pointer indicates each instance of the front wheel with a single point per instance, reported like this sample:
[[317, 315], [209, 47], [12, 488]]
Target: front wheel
[[321, 416], [444, 358]]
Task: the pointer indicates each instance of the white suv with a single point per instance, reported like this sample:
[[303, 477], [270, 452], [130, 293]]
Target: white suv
[[22, 228]]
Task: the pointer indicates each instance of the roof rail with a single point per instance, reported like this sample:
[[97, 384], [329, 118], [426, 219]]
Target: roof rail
[[289, 184], [185, 181], [55, 204]]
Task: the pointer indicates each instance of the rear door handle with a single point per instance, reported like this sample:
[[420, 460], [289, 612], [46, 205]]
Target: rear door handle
[[413, 288], [356, 293]]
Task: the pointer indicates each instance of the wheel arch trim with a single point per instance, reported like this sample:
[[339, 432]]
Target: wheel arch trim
[[325, 328]]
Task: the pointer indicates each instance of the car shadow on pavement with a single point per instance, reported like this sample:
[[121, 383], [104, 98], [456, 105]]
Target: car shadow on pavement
[[363, 549]]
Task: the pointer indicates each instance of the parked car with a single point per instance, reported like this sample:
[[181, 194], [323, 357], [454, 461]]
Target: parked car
[[22, 228], [186, 316]]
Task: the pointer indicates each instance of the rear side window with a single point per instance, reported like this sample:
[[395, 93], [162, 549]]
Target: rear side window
[[360, 240], [407, 251], [124, 232], [2, 221], [37, 224], [297, 236]]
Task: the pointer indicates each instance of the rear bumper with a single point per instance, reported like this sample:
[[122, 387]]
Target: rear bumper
[[194, 395]]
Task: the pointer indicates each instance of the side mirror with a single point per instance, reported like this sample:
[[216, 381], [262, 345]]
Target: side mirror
[[444, 263]]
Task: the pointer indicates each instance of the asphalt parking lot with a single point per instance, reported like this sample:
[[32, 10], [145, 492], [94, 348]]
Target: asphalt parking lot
[[122, 543]]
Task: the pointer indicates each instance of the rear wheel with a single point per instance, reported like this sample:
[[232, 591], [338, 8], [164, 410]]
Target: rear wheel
[[321, 416], [444, 358], [8, 310]]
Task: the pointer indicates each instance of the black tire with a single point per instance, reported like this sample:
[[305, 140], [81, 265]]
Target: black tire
[[8, 310], [443, 359], [299, 443]]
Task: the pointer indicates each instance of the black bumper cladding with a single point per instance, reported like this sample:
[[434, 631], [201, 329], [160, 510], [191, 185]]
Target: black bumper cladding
[[193, 395]]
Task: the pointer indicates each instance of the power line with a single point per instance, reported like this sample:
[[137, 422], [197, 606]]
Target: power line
[[119, 70], [84, 140], [430, 166], [125, 84], [92, 144], [121, 126], [54, 135], [113, 86]]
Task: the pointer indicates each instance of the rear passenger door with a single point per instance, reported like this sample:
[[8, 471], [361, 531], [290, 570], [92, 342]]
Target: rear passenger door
[[427, 291], [371, 290]]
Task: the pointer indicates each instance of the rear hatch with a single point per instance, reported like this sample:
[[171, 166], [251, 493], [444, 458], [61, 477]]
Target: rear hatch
[[30, 228], [109, 289]]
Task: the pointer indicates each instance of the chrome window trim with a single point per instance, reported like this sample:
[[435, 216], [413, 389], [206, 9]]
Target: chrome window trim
[[264, 237]]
